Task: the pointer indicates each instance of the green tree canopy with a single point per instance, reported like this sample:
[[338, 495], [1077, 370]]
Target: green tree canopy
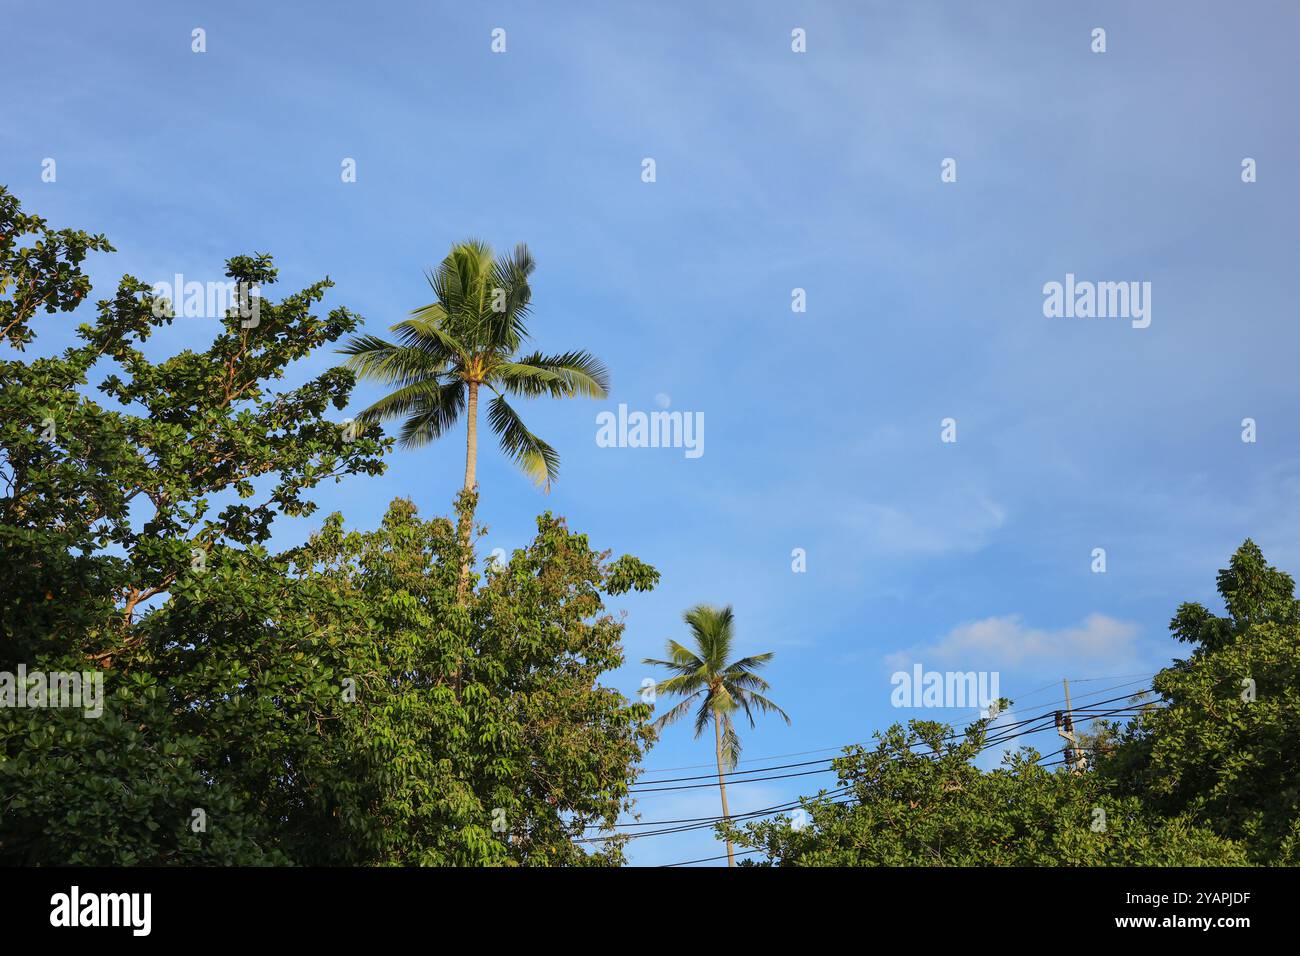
[[1225, 747], [1207, 775], [337, 703], [917, 799]]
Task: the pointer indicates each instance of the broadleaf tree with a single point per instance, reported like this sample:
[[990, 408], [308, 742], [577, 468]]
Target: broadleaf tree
[[1204, 773], [338, 702]]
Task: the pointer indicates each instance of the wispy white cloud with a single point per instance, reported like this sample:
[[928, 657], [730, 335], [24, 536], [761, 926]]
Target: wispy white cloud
[[1006, 642], [956, 523]]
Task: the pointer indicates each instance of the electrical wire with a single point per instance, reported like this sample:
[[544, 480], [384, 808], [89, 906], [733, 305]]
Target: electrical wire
[[642, 784], [710, 859], [700, 823], [999, 735]]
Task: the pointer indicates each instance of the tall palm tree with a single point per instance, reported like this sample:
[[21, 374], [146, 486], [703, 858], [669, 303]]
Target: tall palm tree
[[721, 688], [469, 338]]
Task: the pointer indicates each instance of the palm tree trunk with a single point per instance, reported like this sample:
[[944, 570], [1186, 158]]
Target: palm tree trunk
[[722, 785], [471, 464], [471, 438]]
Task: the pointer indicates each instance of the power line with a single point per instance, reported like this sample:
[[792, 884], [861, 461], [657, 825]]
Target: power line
[[805, 763], [816, 750], [710, 859], [999, 735], [825, 797], [641, 784], [700, 823]]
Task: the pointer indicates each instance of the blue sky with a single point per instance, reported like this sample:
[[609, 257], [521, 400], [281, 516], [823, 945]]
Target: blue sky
[[775, 171]]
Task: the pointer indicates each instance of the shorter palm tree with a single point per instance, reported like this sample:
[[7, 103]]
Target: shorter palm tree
[[721, 688]]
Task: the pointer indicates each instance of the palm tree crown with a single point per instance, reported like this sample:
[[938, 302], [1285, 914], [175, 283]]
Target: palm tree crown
[[470, 337], [704, 675]]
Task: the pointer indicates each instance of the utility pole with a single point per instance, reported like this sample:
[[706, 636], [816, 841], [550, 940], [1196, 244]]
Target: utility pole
[[1065, 728]]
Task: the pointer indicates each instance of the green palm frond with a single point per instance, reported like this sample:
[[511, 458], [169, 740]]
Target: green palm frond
[[538, 460], [459, 279], [528, 381], [373, 358], [718, 704], [749, 663], [745, 680], [565, 375], [433, 413], [730, 745], [461, 285], [415, 400], [711, 628], [767, 706], [510, 275], [703, 715], [675, 714], [750, 701], [681, 669], [683, 656], [681, 684], [426, 330]]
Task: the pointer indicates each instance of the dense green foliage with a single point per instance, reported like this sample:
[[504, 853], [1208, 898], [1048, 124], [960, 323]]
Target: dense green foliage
[[1208, 776], [1225, 748], [918, 800], [343, 702], [364, 699]]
